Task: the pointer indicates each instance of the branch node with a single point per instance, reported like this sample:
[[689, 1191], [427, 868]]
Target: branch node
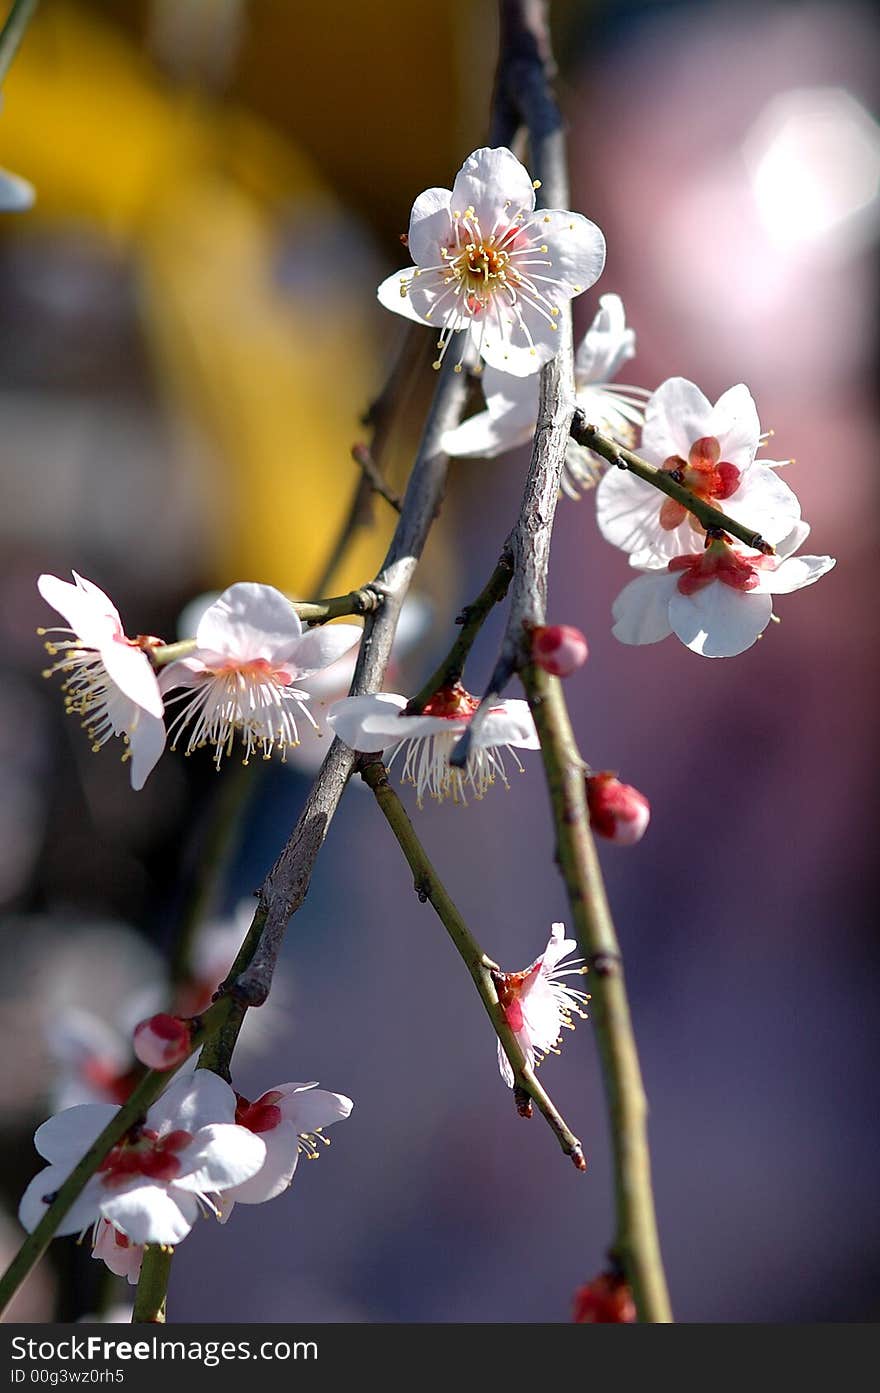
[[523, 1101]]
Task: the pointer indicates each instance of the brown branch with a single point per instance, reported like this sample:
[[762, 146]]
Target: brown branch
[[363, 458]]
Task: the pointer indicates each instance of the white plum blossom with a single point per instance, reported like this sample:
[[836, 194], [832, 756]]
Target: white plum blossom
[[488, 262], [512, 403], [109, 679], [712, 450], [155, 1182], [290, 1119], [120, 1255], [718, 600], [537, 1004], [378, 722], [250, 654]]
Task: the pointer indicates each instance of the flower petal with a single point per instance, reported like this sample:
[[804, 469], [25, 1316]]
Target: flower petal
[[718, 621], [676, 415], [389, 295], [628, 515], [347, 720], [133, 674], [495, 185], [430, 226], [219, 1156], [558, 947], [34, 1203], [146, 739], [577, 253], [794, 573], [486, 435], [149, 1213], [641, 610], [309, 1107], [193, 1101], [607, 344], [320, 647], [92, 620], [67, 1136], [276, 1172], [509, 723], [736, 426], [765, 503], [249, 621], [504, 1066]]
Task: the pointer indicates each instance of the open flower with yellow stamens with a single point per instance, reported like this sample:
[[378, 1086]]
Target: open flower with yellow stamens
[[250, 653], [379, 722], [109, 680], [488, 262], [537, 1005]]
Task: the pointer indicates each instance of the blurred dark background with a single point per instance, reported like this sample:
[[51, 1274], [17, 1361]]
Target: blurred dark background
[[188, 337]]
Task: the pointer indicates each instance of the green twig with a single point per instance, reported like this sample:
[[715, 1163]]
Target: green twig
[[148, 1090], [429, 887], [152, 1287], [12, 32], [471, 619], [636, 1244], [665, 481]]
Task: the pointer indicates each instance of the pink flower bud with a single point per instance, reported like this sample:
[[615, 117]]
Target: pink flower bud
[[558, 648], [607, 1300], [617, 811], [162, 1041]]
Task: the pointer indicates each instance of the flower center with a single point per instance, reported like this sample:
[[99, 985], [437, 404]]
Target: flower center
[[705, 473], [451, 703], [144, 1153], [263, 1115], [718, 562]]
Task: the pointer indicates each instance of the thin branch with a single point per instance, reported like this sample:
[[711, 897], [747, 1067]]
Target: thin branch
[[152, 1287], [148, 1090], [430, 888], [636, 1243], [363, 457], [12, 33], [471, 619], [665, 480], [287, 883]]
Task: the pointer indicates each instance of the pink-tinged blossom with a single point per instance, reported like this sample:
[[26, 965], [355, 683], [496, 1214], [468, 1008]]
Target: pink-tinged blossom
[[712, 450], [559, 649], [162, 1041], [109, 679], [617, 811], [512, 403], [251, 653], [537, 1004], [372, 723], [290, 1120], [156, 1181], [120, 1255], [488, 262], [719, 599]]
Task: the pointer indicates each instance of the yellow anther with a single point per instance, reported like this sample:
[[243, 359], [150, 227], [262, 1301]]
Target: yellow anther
[[536, 183]]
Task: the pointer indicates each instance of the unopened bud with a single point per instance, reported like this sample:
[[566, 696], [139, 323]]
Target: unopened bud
[[617, 811], [559, 649], [607, 1300], [163, 1041]]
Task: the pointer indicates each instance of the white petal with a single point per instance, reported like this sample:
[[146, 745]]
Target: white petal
[[794, 541], [91, 619], [16, 194], [193, 1101], [219, 1156], [628, 515], [607, 344], [509, 723], [504, 1066], [641, 610], [794, 573], [541, 1020], [718, 621], [489, 181], [558, 947], [146, 739], [150, 1213], [309, 1107], [676, 415], [81, 1214], [514, 347], [489, 434], [276, 1172], [320, 647], [764, 503], [67, 1136], [347, 717], [577, 252], [249, 621], [736, 426], [133, 674], [389, 295], [430, 226]]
